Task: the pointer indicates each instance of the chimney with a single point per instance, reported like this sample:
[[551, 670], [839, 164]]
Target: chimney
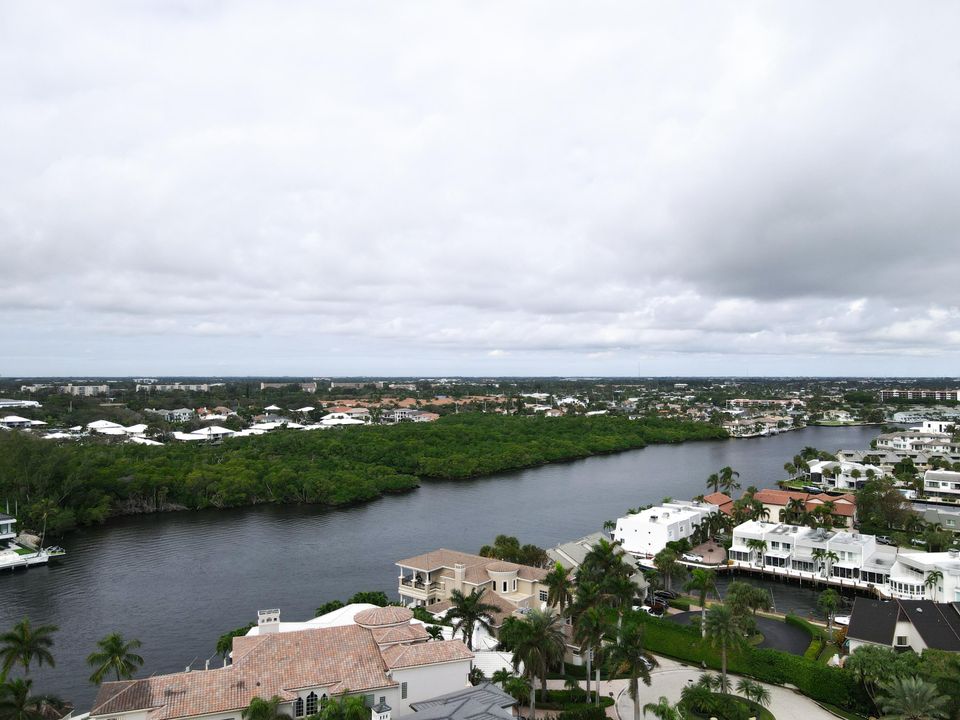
[[380, 711], [268, 621], [459, 569]]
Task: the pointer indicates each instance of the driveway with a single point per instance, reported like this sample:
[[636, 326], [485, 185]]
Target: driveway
[[671, 677], [777, 635]]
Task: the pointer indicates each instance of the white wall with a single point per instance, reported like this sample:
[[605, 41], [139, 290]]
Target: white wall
[[429, 681]]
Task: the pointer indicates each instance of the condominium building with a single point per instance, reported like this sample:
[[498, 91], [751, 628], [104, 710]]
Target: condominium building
[[84, 390], [920, 394], [176, 387], [942, 483], [846, 558], [646, 533]]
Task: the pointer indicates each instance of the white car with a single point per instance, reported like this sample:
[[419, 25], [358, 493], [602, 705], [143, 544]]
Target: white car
[[690, 557]]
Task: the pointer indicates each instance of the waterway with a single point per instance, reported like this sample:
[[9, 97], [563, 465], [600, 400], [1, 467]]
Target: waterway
[[177, 581]]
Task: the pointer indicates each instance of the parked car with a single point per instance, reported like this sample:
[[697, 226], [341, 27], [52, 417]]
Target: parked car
[[665, 594], [884, 540], [656, 610], [691, 557]]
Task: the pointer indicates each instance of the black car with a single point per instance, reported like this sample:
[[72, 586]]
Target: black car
[[665, 594]]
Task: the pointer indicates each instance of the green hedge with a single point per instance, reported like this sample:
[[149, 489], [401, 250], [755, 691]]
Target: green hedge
[[819, 682], [681, 603], [592, 713], [805, 625], [571, 700]]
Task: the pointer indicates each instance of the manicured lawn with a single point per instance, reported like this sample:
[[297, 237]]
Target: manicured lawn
[[20, 550]]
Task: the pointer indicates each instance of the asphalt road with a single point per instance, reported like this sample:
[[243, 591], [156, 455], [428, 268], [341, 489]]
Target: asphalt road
[[777, 635]]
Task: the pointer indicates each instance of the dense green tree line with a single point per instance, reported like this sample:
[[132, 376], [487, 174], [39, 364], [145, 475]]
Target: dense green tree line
[[83, 483]]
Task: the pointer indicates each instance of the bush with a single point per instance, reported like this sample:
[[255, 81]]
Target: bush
[[681, 603], [805, 625], [587, 713], [568, 700]]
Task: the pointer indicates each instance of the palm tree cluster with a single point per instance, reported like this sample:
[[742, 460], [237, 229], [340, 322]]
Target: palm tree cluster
[[26, 645], [724, 481]]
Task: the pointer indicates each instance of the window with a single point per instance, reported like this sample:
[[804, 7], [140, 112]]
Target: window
[[901, 640], [368, 700], [403, 691], [323, 701], [543, 596], [504, 585], [298, 707], [514, 585], [383, 699], [311, 703]]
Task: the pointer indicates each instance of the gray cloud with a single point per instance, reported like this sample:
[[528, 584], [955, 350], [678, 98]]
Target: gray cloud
[[447, 187]]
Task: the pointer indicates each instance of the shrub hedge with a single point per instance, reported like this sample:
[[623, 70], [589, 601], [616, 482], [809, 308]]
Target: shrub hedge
[[681, 603], [591, 713], [819, 682]]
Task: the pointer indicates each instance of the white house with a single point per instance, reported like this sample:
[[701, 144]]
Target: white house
[[646, 533]]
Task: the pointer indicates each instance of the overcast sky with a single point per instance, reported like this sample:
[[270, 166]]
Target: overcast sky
[[315, 188]]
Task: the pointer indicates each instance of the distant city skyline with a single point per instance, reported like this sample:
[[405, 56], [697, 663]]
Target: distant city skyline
[[443, 188]]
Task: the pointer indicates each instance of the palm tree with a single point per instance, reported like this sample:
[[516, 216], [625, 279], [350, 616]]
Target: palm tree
[[501, 676], [790, 469], [260, 709], [703, 582], [114, 655], [668, 564], [828, 602], [830, 557], [24, 644], [728, 480], [794, 510], [663, 710], [910, 698], [933, 579], [713, 482], [469, 611], [723, 631], [590, 628], [559, 587], [434, 631], [754, 691], [539, 647], [342, 708], [16, 703], [759, 547], [626, 656]]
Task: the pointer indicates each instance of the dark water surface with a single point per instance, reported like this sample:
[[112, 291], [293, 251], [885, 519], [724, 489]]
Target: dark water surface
[[177, 581]]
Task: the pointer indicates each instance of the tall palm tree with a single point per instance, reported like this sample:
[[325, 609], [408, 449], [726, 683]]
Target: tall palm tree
[[539, 647], [25, 644], [626, 656], [933, 579], [260, 709], [728, 479], [604, 559], [754, 691], [713, 482], [911, 698], [724, 632], [759, 547], [115, 656], [794, 510], [663, 710], [589, 630], [703, 582], [559, 587], [469, 611]]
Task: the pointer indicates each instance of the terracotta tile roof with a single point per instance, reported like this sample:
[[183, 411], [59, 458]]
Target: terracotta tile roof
[[504, 607], [845, 505], [723, 501], [389, 615], [340, 659], [401, 656], [476, 566], [400, 633]]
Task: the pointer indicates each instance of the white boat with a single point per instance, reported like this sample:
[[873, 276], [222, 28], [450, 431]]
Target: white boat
[[843, 620]]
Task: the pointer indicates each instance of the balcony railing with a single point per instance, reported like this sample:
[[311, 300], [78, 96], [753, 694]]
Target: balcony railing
[[417, 585]]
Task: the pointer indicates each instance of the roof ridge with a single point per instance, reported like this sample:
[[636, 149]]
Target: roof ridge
[[127, 685]]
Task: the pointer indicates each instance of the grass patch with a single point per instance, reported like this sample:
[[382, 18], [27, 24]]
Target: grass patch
[[841, 712], [20, 550]]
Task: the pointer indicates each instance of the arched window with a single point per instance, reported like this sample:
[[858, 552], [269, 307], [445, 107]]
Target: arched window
[[323, 700], [298, 707], [311, 703]]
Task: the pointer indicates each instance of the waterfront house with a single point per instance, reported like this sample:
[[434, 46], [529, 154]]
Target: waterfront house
[[428, 580], [6, 527], [846, 558], [842, 475], [572, 554], [381, 658], [905, 624], [646, 533]]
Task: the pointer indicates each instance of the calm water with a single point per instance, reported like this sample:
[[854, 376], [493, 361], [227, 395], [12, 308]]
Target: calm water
[[177, 581]]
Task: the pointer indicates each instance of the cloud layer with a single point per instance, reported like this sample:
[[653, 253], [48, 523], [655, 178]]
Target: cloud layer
[[405, 188]]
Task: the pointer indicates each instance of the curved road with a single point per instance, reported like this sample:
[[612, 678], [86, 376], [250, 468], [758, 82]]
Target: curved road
[[777, 635]]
